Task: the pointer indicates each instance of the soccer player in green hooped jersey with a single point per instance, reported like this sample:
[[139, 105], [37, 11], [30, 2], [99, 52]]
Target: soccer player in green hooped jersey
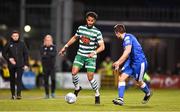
[[90, 44]]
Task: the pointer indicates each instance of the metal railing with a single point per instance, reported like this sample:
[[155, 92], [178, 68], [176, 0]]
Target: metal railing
[[137, 13]]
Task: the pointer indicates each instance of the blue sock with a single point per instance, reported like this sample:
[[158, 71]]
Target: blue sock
[[121, 89], [145, 88]]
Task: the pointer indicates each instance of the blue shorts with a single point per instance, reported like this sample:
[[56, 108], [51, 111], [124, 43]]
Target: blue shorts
[[136, 70]]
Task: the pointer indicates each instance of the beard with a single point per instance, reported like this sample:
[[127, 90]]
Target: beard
[[90, 25]]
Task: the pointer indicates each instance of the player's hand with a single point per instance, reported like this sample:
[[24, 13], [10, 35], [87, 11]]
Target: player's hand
[[116, 65], [62, 51], [91, 55], [12, 61]]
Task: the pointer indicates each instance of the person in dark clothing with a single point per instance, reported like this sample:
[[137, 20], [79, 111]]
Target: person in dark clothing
[[16, 54], [48, 55]]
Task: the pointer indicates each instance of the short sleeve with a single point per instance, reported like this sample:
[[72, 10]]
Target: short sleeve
[[77, 32], [99, 37], [127, 41]]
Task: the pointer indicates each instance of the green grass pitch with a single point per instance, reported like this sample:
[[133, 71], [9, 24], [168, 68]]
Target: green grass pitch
[[162, 100]]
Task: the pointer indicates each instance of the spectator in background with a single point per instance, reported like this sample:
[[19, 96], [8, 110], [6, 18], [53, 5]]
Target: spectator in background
[[147, 79], [48, 55], [106, 67], [16, 54], [37, 69], [5, 72]]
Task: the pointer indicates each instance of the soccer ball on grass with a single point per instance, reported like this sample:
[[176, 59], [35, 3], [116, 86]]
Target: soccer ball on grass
[[70, 98]]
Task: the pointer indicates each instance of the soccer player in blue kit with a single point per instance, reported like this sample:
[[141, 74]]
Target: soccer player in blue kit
[[134, 64]]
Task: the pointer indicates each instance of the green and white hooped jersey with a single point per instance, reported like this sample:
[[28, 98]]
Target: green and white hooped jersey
[[88, 40]]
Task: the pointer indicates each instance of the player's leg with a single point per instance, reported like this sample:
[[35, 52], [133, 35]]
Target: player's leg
[[75, 79], [121, 89], [12, 82], [94, 86], [77, 65], [140, 70], [126, 71], [144, 87], [90, 65]]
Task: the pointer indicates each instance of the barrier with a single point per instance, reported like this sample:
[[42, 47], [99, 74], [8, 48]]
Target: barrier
[[29, 80], [64, 80], [164, 81], [4, 84]]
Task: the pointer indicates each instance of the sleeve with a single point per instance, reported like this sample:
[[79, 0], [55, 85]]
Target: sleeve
[[26, 54], [5, 52], [99, 37], [127, 41], [77, 32]]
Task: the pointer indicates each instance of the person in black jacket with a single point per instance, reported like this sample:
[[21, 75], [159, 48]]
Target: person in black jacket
[[16, 54], [48, 55]]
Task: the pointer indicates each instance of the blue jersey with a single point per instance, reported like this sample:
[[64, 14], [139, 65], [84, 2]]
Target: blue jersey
[[137, 54]]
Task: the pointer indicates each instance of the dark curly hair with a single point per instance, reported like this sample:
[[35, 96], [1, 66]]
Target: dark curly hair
[[91, 14]]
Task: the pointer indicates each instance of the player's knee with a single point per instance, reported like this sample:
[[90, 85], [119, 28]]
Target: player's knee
[[90, 77], [121, 79], [74, 71]]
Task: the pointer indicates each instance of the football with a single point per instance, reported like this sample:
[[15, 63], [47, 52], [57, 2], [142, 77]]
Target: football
[[70, 98]]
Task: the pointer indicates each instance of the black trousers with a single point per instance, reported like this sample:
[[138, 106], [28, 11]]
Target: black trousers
[[50, 72], [16, 79]]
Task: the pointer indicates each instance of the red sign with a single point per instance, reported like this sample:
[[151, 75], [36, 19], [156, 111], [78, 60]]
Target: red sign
[[163, 81]]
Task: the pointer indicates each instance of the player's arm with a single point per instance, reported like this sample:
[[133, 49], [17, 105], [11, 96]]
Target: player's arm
[[101, 47], [123, 57], [98, 50], [71, 41]]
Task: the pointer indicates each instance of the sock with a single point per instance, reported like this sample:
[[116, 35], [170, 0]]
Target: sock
[[121, 89], [75, 80], [145, 89], [94, 86]]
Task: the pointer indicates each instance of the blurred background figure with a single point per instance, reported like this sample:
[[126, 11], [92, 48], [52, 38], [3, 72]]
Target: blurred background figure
[[106, 71], [147, 79], [106, 67], [67, 64], [177, 69], [48, 55], [16, 54], [4, 71], [38, 70]]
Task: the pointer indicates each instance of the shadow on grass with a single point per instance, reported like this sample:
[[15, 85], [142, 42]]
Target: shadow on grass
[[91, 105], [138, 106]]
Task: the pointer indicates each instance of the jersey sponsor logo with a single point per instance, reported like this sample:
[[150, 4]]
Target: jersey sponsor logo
[[85, 39]]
